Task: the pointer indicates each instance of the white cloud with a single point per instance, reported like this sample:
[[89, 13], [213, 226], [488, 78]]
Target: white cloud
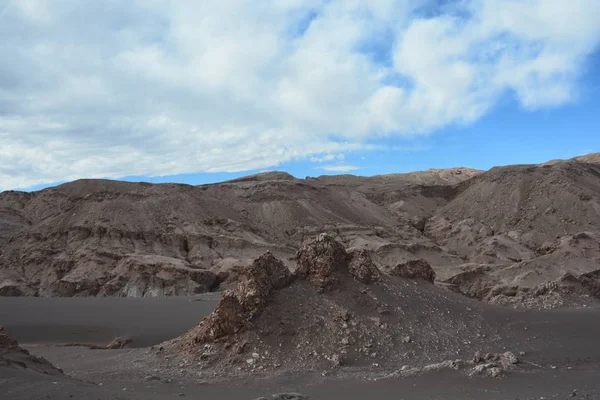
[[328, 157], [338, 168], [156, 87]]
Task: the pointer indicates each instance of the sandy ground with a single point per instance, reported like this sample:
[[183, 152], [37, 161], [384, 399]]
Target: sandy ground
[[561, 348], [146, 321]]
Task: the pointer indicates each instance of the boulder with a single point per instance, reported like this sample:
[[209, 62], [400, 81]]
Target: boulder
[[361, 266], [256, 282], [252, 291], [509, 357], [319, 259], [227, 319], [415, 269]]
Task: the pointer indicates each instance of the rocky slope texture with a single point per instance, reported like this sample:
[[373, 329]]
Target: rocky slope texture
[[13, 356], [529, 235], [524, 235], [109, 238], [336, 309]]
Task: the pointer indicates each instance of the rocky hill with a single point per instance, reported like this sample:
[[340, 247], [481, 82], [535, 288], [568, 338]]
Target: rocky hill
[[105, 238], [335, 310], [522, 235], [522, 230]]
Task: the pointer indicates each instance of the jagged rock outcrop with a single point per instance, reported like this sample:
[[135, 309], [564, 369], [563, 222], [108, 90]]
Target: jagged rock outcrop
[[323, 259], [228, 318], [255, 284], [320, 259], [257, 281]]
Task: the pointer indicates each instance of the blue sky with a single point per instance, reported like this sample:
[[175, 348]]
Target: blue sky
[[310, 87]]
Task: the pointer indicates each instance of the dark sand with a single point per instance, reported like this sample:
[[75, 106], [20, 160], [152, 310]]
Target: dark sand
[[146, 321], [562, 355]]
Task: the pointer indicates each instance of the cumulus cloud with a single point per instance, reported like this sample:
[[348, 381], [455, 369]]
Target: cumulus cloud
[[155, 87]]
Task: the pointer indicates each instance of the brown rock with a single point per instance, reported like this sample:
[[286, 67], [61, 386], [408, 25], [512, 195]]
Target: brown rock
[[227, 319], [319, 259], [361, 267], [415, 269], [256, 282]]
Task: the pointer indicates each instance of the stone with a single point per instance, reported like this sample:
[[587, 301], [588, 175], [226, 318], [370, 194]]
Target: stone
[[510, 358], [289, 396], [255, 284], [336, 360], [361, 267], [414, 269], [258, 280], [319, 260]]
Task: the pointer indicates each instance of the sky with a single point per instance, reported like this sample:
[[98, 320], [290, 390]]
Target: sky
[[204, 91]]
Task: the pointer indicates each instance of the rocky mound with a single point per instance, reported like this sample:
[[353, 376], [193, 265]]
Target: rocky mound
[[335, 310], [13, 356]]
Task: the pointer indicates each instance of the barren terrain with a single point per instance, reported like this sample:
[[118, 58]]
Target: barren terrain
[[525, 236], [442, 284]]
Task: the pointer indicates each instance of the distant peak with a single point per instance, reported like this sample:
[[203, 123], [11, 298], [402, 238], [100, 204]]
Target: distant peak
[[265, 176]]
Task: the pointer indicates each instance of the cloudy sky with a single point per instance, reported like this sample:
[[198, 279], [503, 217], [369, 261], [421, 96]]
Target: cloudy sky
[[198, 91]]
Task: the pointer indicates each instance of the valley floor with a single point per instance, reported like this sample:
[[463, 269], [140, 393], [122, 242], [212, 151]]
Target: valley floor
[[562, 356]]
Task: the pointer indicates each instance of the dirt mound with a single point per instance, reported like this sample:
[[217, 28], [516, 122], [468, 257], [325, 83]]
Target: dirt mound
[[13, 356], [323, 317]]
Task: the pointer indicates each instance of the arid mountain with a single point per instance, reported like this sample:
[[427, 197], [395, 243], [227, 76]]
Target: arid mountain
[[500, 235], [522, 228], [95, 237]]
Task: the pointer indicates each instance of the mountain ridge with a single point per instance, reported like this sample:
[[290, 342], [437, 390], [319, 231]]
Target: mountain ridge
[[96, 237]]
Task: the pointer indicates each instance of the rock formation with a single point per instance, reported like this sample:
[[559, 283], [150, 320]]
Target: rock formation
[[335, 310], [415, 269]]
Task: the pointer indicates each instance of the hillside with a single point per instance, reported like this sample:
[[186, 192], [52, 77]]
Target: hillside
[[500, 235]]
